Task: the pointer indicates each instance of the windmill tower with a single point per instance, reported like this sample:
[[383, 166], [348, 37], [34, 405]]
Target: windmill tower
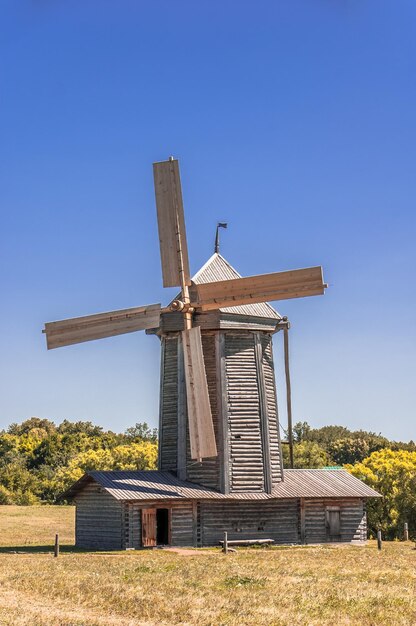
[[238, 356]]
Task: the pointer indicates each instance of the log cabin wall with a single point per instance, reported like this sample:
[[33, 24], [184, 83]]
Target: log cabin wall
[[103, 523], [207, 472], [182, 522], [249, 519], [98, 520], [353, 520], [168, 419], [276, 463], [245, 445]]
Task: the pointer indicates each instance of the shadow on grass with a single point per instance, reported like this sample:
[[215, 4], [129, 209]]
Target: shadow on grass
[[35, 549]]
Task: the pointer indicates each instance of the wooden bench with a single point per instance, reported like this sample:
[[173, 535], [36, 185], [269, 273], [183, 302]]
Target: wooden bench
[[247, 542]]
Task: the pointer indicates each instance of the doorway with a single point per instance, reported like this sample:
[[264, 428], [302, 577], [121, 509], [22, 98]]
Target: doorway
[[155, 527], [333, 523], [162, 527]]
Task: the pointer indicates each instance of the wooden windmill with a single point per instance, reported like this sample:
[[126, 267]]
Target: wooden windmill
[[192, 387]]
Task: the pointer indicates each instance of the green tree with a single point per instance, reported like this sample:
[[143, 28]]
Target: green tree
[[75, 428], [348, 450], [306, 455], [134, 456], [301, 431], [141, 431], [31, 423], [393, 474]]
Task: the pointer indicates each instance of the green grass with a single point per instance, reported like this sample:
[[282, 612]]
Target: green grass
[[347, 585]]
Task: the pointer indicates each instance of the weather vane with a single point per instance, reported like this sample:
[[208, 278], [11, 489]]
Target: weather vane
[[217, 237]]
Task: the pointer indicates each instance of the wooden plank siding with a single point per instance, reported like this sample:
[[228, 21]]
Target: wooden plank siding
[[103, 523], [98, 520], [272, 412], [168, 447], [270, 519], [352, 517], [181, 532], [216, 320], [182, 524], [207, 472], [245, 438], [244, 411]]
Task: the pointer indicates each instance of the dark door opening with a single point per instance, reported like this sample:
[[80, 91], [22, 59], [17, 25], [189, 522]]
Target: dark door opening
[[333, 523], [162, 527]]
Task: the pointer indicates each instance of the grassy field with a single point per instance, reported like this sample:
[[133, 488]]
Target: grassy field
[[276, 586]]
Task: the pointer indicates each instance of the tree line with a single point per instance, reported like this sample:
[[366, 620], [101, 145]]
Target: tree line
[[39, 460], [387, 466]]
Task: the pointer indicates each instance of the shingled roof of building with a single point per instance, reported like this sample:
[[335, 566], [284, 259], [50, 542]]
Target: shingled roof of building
[[156, 485]]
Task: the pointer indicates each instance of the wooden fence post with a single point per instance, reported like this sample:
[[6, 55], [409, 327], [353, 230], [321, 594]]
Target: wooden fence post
[[379, 539], [56, 548], [225, 542], [406, 531]]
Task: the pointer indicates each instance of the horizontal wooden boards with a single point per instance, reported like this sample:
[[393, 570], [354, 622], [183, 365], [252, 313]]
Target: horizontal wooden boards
[[171, 223], [201, 428], [90, 327], [262, 288]]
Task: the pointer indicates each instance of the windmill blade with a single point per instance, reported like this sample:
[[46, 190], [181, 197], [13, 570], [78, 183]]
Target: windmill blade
[[261, 288], [89, 327], [171, 223], [201, 427]]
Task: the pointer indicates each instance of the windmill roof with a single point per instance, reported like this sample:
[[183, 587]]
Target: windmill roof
[[217, 269], [156, 485]]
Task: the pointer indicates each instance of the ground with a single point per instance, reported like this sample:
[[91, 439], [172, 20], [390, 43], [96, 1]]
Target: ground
[[268, 586]]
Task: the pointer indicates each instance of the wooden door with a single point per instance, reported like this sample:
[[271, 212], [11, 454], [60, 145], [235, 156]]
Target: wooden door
[[148, 527], [333, 518]]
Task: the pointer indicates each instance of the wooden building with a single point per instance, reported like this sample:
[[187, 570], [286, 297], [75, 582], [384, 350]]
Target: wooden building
[[120, 510], [244, 490]]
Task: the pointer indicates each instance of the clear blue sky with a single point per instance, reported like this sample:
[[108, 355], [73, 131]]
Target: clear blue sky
[[293, 121]]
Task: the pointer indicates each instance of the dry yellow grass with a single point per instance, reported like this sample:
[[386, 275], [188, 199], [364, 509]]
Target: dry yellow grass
[[36, 525], [290, 586]]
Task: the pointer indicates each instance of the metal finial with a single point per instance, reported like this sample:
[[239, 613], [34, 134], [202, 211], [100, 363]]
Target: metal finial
[[217, 237]]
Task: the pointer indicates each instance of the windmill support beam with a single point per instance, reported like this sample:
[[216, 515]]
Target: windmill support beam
[[264, 416], [222, 408], [288, 395], [182, 415]]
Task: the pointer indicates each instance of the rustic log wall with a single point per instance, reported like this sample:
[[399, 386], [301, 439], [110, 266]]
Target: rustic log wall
[[352, 517], [183, 522], [249, 519], [242, 391], [206, 472], [103, 523], [98, 520], [168, 428], [244, 429], [272, 413]]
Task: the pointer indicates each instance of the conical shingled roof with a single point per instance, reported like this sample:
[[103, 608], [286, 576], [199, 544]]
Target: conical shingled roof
[[217, 269]]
